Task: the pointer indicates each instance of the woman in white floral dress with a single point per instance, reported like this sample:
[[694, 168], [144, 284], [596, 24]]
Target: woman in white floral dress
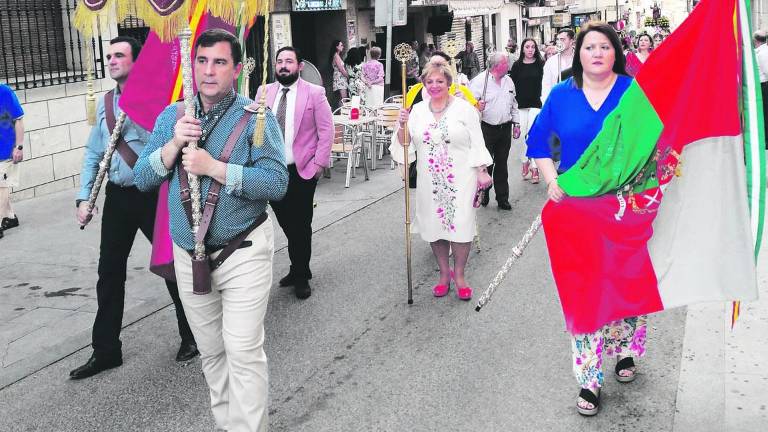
[[451, 165]]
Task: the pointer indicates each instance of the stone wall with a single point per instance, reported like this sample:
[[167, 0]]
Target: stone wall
[[55, 133]]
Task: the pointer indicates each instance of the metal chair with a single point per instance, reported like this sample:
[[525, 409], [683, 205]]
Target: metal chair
[[348, 145], [386, 122], [395, 99]]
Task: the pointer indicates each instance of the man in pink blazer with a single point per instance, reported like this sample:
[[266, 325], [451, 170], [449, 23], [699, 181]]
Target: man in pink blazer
[[305, 117]]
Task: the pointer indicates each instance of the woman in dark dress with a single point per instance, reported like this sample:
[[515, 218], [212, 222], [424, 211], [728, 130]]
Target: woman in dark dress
[[527, 73]]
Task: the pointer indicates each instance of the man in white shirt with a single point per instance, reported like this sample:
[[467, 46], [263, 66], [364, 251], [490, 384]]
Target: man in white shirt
[[500, 120], [558, 63], [760, 38]]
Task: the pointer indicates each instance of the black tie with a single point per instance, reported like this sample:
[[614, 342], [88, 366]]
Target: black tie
[[281, 110]]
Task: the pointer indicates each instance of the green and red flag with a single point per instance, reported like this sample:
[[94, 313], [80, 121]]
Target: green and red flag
[[665, 207]]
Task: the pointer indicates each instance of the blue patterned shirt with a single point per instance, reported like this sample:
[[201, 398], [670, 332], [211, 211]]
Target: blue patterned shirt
[[255, 175]]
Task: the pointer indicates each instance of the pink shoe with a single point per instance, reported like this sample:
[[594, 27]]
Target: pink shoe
[[526, 169], [534, 175], [440, 290], [464, 293]]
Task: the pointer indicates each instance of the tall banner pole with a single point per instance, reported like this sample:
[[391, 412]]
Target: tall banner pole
[[403, 53]]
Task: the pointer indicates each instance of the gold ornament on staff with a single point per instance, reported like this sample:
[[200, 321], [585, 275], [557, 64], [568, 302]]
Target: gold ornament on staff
[[403, 53], [189, 110], [90, 96], [249, 65], [106, 161], [517, 252], [261, 114]]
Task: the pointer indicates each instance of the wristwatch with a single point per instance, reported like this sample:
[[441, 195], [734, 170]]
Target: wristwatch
[[21, 147]]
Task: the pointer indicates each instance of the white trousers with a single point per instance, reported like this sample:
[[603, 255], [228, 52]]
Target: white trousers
[[228, 324], [527, 116]]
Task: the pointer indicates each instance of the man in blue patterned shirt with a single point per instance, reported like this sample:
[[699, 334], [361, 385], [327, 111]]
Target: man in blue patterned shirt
[[228, 322]]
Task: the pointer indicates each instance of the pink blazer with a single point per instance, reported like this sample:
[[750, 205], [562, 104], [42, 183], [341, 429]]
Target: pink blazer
[[312, 126]]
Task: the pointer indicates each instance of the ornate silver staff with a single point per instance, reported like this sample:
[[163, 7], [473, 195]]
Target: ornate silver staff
[[189, 109], [488, 53], [403, 52], [106, 161], [452, 49], [517, 252], [249, 65]]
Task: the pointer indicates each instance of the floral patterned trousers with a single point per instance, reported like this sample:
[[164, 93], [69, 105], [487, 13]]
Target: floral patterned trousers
[[625, 338]]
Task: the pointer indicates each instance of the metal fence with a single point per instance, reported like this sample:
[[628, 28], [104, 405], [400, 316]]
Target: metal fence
[[40, 48]]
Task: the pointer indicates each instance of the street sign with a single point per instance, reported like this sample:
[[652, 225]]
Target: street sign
[[399, 10]]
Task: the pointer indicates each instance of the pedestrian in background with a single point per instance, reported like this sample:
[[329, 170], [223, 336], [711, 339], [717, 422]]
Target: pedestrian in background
[[500, 123], [527, 74], [452, 168], [658, 38], [126, 210], [228, 320], [470, 64], [11, 153], [340, 75], [599, 78], [373, 76], [353, 65], [306, 123], [558, 67], [636, 59]]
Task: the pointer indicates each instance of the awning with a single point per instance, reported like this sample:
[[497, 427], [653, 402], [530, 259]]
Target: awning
[[475, 7]]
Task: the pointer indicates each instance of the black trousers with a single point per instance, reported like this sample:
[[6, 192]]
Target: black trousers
[[498, 141], [126, 210], [294, 214]]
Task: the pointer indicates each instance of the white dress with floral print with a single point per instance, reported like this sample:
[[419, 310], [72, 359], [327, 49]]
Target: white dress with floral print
[[449, 152]]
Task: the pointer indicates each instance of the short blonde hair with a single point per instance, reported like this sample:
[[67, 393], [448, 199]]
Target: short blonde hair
[[431, 68], [375, 53]]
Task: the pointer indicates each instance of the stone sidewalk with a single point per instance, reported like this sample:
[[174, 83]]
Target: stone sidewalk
[[724, 371], [48, 287]]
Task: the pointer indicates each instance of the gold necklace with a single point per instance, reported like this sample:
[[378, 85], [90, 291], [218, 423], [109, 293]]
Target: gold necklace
[[434, 111]]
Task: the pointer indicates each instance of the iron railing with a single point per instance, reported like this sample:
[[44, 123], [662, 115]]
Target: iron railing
[[133, 27], [39, 47]]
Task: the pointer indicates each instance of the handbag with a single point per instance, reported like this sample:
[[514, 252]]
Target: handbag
[[412, 175]]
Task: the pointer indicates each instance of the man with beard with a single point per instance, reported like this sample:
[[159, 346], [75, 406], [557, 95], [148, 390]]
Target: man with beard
[[305, 118]]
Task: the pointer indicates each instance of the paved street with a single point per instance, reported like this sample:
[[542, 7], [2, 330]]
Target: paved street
[[355, 356]]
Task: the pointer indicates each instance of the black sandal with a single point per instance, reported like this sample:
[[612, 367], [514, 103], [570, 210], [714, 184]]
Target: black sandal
[[625, 364], [589, 397]]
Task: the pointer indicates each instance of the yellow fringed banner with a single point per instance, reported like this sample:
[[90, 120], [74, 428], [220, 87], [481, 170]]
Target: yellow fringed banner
[[167, 27]]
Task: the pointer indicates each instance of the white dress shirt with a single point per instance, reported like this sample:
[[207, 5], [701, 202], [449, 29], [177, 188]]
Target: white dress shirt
[[553, 68], [761, 53], [500, 102], [290, 110]]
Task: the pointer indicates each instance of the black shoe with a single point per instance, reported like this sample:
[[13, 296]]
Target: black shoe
[[94, 366], [504, 205], [187, 351], [9, 223], [486, 198], [302, 289], [287, 280]]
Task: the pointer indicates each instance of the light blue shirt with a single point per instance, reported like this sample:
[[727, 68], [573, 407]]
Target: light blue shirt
[[119, 171]]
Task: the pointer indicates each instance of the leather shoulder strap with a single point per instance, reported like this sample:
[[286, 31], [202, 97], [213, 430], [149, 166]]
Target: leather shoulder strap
[[126, 152], [215, 188]]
